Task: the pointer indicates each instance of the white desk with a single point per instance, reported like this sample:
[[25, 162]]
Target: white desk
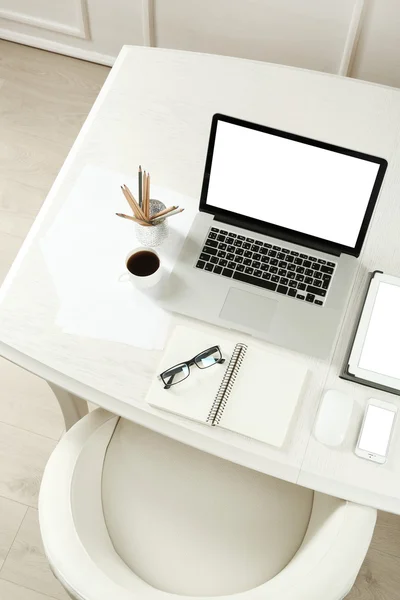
[[164, 125]]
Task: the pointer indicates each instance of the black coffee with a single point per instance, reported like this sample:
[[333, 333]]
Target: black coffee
[[143, 263]]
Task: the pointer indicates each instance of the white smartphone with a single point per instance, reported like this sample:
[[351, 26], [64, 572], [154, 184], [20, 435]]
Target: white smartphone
[[376, 430]]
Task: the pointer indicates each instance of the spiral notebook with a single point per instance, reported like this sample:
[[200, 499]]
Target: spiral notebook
[[254, 393]]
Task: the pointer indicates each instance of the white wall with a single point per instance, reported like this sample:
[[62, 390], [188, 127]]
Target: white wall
[[302, 33], [109, 24], [313, 34], [378, 54]]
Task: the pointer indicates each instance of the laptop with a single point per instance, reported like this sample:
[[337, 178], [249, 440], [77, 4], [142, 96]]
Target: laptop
[[273, 250]]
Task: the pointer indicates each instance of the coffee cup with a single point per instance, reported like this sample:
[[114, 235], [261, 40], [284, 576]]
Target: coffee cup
[[143, 268]]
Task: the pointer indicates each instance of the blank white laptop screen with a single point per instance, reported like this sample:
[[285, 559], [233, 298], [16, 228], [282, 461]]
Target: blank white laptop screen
[[381, 349], [291, 184]]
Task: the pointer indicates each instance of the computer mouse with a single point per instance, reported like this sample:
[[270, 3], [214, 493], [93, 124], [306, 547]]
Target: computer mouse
[[333, 418]]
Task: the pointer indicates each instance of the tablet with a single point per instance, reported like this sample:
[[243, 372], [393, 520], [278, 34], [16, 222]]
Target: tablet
[[374, 357]]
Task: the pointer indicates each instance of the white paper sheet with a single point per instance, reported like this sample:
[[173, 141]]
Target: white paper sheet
[[85, 249]]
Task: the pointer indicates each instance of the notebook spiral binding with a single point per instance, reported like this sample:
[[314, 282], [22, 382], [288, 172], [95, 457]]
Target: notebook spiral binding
[[224, 391]]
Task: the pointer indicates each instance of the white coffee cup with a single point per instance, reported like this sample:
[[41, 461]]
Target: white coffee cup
[[142, 273]]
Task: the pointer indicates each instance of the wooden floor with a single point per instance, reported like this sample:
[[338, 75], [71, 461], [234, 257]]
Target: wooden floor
[[44, 99]]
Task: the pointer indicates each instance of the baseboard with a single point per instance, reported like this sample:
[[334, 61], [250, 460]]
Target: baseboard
[[57, 47]]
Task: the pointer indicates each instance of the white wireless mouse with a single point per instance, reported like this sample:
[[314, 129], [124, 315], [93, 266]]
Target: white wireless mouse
[[333, 418]]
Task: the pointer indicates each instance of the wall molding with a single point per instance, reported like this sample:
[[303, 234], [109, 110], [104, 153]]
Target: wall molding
[[81, 30], [352, 37], [148, 28], [57, 47]]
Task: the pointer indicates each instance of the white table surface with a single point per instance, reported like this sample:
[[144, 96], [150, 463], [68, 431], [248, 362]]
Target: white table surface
[[65, 316]]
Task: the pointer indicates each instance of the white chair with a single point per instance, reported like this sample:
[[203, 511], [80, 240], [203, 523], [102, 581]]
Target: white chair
[[126, 513]]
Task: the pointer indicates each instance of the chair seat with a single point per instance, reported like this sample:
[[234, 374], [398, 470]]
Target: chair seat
[[125, 512], [190, 523]]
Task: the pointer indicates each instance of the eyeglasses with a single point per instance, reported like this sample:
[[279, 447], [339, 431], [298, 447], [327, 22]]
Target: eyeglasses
[[208, 358]]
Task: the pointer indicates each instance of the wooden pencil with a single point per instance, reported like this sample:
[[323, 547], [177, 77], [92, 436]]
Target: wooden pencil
[[140, 187], [163, 212], [144, 192], [173, 212], [144, 223], [145, 195], [148, 197], [131, 196], [170, 214], [129, 201], [134, 205]]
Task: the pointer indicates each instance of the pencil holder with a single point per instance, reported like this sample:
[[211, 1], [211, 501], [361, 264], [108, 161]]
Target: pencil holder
[[156, 234]]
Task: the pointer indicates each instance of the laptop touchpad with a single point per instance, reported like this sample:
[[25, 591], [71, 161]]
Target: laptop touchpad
[[249, 310]]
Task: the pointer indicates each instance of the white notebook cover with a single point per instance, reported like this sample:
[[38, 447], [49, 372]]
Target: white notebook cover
[[263, 398]]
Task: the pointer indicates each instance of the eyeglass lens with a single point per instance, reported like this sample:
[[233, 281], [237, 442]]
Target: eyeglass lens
[[175, 374], [208, 358]]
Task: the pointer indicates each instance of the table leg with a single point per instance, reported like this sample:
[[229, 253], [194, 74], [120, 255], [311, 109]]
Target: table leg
[[72, 407]]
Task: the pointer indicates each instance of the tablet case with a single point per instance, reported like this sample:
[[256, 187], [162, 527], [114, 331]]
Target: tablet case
[[344, 374]]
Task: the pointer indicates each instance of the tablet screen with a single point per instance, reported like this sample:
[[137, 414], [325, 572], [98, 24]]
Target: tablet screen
[[381, 349]]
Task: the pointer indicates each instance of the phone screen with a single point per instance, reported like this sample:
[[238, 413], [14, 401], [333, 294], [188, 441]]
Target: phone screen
[[376, 432]]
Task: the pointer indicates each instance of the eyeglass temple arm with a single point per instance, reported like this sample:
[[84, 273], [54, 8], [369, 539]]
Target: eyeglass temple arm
[[170, 381], [169, 384]]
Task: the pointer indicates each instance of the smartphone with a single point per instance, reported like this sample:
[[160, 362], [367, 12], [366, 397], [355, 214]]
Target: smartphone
[[376, 430]]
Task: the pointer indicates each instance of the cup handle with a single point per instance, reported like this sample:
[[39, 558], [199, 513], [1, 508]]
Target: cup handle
[[124, 278]]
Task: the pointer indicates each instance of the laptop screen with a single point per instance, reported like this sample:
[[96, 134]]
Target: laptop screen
[[293, 184]]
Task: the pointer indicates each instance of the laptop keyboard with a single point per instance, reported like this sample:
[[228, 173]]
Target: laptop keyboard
[[301, 276]]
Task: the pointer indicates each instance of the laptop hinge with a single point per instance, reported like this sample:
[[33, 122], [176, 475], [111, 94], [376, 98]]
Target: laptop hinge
[[288, 236]]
